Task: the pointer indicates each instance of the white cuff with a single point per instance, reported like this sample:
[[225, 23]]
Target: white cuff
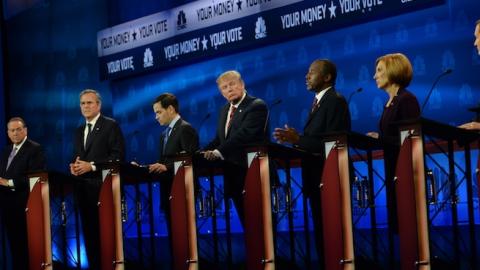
[[218, 154]]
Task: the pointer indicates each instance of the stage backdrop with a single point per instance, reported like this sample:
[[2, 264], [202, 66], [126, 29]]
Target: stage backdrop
[[53, 56]]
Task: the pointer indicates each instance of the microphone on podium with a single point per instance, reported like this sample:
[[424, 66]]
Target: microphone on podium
[[352, 94], [446, 72], [272, 105]]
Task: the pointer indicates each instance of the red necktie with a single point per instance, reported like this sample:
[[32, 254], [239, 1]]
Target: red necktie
[[314, 105], [232, 112]]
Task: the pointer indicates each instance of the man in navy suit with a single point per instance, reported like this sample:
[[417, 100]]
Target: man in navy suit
[[99, 140], [329, 113], [22, 156], [179, 137], [241, 122]]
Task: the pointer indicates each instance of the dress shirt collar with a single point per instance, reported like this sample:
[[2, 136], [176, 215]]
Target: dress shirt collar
[[174, 121], [18, 146], [93, 122], [320, 94]]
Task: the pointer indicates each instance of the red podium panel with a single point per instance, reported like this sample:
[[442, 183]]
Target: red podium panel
[[109, 211], [336, 207], [412, 203], [184, 228], [38, 223], [258, 214]]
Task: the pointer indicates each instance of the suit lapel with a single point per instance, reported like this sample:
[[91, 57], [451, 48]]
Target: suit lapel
[[223, 121]]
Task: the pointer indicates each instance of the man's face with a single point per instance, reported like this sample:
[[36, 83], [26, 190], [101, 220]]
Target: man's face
[[16, 132], [232, 88], [162, 115], [381, 77], [477, 38], [315, 80], [90, 106]]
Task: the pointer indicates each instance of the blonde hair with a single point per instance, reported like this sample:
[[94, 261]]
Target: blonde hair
[[230, 73], [398, 68]]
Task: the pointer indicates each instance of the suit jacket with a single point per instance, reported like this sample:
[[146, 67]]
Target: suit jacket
[[105, 143], [331, 115], [247, 127], [183, 139], [29, 158]]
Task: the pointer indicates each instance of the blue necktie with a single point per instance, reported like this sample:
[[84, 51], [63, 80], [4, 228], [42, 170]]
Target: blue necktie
[[165, 138], [11, 156]]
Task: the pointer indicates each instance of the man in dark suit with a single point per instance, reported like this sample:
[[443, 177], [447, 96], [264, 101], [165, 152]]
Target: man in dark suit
[[179, 137], [22, 156], [98, 140], [241, 122], [329, 113]]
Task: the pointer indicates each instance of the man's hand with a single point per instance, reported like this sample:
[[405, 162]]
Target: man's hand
[[157, 168], [286, 135], [80, 167], [3, 182], [373, 134], [471, 126], [211, 155]]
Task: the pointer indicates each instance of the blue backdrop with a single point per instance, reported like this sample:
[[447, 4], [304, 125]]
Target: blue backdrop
[[52, 57]]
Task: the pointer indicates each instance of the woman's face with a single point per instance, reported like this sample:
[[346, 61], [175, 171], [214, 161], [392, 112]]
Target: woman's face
[[381, 77]]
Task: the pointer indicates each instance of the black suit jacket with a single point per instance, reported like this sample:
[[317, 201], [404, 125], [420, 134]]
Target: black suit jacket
[[183, 139], [30, 157], [105, 143], [247, 127], [331, 115]]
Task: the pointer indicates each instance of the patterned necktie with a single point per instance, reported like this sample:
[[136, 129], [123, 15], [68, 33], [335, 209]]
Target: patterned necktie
[[232, 112], [165, 138], [314, 105], [11, 156]]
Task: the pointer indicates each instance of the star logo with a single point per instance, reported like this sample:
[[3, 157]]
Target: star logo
[[239, 5], [204, 43], [332, 9], [134, 35]]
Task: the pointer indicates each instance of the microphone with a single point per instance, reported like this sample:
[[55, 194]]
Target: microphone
[[352, 94], [446, 72], [204, 119], [272, 105]]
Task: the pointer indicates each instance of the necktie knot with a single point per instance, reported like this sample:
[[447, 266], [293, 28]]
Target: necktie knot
[[232, 112]]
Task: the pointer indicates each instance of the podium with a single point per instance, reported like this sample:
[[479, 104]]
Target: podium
[[38, 222], [182, 209], [336, 201], [258, 230], [45, 187], [412, 190], [110, 219]]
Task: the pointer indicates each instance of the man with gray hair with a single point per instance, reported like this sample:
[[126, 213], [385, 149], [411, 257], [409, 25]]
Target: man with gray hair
[[98, 140], [18, 158]]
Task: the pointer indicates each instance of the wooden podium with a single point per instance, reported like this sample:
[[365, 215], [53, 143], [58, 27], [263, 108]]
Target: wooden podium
[[110, 218], [38, 222], [336, 201], [258, 212], [411, 190], [182, 209]]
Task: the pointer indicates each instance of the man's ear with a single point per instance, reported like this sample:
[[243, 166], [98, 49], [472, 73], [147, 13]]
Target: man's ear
[[327, 78]]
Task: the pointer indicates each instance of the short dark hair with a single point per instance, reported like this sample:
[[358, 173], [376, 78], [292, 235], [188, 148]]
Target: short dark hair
[[17, 119], [478, 22], [167, 99], [328, 67]]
